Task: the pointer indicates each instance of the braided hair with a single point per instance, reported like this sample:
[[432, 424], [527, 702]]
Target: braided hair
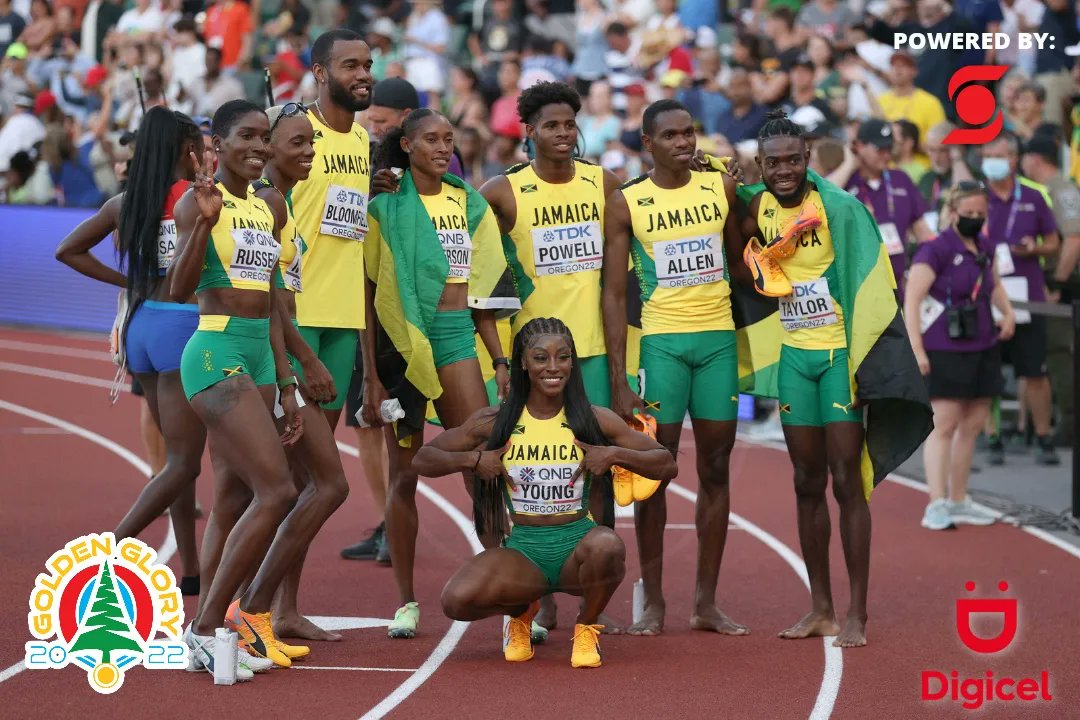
[[489, 504], [389, 153], [777, 124]]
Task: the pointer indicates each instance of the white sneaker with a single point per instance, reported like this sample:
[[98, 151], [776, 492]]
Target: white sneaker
[[201, 656], [937, 516], [966, 513], [253, 662]]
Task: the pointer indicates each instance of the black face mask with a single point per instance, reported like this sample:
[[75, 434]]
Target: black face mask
[[970, 226]]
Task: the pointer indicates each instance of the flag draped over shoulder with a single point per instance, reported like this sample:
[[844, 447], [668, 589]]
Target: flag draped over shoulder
[[885, 378], [410, 270]]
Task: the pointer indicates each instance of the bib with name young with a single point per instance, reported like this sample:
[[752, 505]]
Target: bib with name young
[[677, 247], [447, 212], [812, 316], [541, 461], [242, 252]]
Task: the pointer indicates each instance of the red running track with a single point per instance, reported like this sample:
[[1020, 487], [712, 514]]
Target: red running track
[[57, 484]]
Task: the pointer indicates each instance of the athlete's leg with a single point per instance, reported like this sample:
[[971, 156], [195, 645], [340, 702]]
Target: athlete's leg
[[372, 447], [594, 570], [937, 451], [235, 412], [174, 485], [402, 523], [337, 350], [973, 414], [324, 493], [151, 436], [495, 582], [231, 499]]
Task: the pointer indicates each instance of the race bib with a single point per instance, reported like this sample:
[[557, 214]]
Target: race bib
[[546, 490], [566, 249], [931, 219], [292, 272], [255, 253], [929, 313], [279, 412], [689, 262], [166, 244], [809, 306], [1003, 257], [891, 236], [345, 213], [1016, 287], [457, 244]]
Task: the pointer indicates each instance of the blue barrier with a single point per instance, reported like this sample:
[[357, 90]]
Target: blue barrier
[[35, 289]]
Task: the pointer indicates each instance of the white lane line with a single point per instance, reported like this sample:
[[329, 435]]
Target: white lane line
[[55, 350], [834, 661], [165, 552], [907, 482], [676, 526], [56, 375], [357, 669], [457, 629]]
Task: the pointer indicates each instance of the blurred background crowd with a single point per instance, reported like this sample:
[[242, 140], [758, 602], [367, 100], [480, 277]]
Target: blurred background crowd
[[72, 70]]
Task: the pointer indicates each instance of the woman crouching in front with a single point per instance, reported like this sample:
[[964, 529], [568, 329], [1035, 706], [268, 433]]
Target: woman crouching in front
[[538, 456]]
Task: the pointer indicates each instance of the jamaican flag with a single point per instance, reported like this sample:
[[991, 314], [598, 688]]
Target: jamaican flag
[[884, 376], [405, 260]]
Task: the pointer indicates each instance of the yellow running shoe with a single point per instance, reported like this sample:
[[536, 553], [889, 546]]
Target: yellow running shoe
[[628, 485], [586, 646], [293, 652], [519, 635], [785, 244], [256, 634], [769, 279]]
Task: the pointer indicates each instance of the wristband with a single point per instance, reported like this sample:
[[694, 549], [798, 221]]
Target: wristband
[[500, 361], [286, 382], [479, 454]]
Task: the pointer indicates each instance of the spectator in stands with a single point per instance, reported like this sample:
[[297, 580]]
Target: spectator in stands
[[470, 145], [956, 346], [597, 124], [947, 166], [826, 155], [503, 153], [1020, 220], [705, 97], [11, 25], [831, 18], [1029, 109], [216, 88], [427, 35], [906, 153], [70, 170], [22, 131], [746, 117], [985, 16], [589, 63], [904, 101], [821, 53], [622, 70], [25, 184], [1020, 16], [391, 100], [229, 29], [539, 22], [186, 67], [144, 21], [99, 18], [935, 68], [771, 82], [38, 35], [382, 39], [465, 106], [1052, 65], [504, 117], [500, 38], [803, 94], [14, 79]]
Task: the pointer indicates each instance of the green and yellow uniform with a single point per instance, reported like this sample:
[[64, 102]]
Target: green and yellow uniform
[[688, 347], [331, 214], [290, 262], [541, 460], [556, 252], [241, 253], [813, 377]]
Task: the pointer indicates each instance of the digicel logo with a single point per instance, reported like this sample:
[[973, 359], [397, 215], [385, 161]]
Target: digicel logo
[[971, 692]]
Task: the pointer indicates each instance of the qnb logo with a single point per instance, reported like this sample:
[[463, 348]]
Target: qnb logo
[[975, 104], [972, 690]]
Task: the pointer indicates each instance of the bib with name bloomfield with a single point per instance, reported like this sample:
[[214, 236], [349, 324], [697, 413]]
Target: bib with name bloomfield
[[241, 251], [812, 317], [677, 246], [556, 251], [541, 460]]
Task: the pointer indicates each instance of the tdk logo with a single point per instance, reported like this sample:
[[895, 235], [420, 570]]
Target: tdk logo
[[570, 232]]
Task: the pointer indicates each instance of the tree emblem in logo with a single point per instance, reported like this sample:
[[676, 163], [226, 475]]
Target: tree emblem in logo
[[106, 630]]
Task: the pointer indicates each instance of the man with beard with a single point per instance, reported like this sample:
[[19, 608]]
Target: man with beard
[[838, 346], [674, 222]]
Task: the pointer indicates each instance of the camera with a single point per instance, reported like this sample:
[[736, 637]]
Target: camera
[[962, 322]]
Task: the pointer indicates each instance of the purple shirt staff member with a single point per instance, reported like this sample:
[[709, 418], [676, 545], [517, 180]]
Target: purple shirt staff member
[[1018, 216], [952, 284], [893, 200]]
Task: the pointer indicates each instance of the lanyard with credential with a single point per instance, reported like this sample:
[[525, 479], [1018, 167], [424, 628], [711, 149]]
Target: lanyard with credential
[[888, 196], [1014, 207]]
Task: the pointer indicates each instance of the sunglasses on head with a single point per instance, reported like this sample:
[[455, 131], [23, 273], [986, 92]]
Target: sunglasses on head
[[288, 110]]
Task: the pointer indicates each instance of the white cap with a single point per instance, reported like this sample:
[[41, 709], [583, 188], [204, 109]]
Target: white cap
[[874, 54], [534, 75], [706, 38], [383, 26]]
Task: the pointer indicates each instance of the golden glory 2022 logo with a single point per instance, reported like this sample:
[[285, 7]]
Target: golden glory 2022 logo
[[101, 606]]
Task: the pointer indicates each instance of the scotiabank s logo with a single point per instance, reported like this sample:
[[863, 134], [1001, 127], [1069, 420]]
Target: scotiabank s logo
[[972, 691], [975, 104]]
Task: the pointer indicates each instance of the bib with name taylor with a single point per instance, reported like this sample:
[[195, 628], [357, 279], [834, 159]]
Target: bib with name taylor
[[558, 251], [677, 246], [811, 316], [331, 215], [541, 460], [241, 251]]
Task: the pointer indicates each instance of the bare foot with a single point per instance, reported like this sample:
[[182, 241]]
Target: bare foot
[[853, 634], [711, 618], [547, 616], [813, 625], [651, 622], [298, 626], [611, 625]]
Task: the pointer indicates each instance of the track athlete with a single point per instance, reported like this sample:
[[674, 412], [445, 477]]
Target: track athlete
[[551, 213], [674, 222], [837, 347], [538, 456]]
